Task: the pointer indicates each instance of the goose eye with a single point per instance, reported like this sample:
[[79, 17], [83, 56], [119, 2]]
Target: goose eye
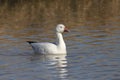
[[60, 26]]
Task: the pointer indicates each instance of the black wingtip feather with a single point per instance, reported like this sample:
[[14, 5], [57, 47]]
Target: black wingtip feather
[[30, 42]]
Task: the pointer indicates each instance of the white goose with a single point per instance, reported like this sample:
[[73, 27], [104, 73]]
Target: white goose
[[51, 48]]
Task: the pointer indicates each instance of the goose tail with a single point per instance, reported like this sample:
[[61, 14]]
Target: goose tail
[[30, 42]]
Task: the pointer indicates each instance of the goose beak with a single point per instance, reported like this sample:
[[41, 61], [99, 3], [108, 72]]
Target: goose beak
[[66, 30]]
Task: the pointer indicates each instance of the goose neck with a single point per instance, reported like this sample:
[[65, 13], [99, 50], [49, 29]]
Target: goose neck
[[60, 40]]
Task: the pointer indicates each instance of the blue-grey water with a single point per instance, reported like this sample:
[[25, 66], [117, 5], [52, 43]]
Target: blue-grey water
[[93, 49], [92, 55]]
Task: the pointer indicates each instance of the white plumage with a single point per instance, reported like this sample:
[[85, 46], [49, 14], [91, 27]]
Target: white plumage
[[51, 48]]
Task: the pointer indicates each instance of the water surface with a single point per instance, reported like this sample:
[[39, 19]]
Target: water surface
[[93, 45]]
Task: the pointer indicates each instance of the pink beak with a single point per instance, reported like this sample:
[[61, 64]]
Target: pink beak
[[66, 30]]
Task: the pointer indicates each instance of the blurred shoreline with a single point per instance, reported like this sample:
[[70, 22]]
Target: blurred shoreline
[[23, 13]]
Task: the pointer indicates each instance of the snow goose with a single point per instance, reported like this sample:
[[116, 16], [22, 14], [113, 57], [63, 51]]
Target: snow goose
[[50, 48]]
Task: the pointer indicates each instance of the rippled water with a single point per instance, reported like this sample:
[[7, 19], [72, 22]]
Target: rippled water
[[92, 55], [93, 50]]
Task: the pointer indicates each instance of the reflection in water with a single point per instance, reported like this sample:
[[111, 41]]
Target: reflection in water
[[93, 44], [56, 64]]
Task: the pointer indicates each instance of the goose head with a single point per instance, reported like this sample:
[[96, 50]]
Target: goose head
[[61, 28]]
